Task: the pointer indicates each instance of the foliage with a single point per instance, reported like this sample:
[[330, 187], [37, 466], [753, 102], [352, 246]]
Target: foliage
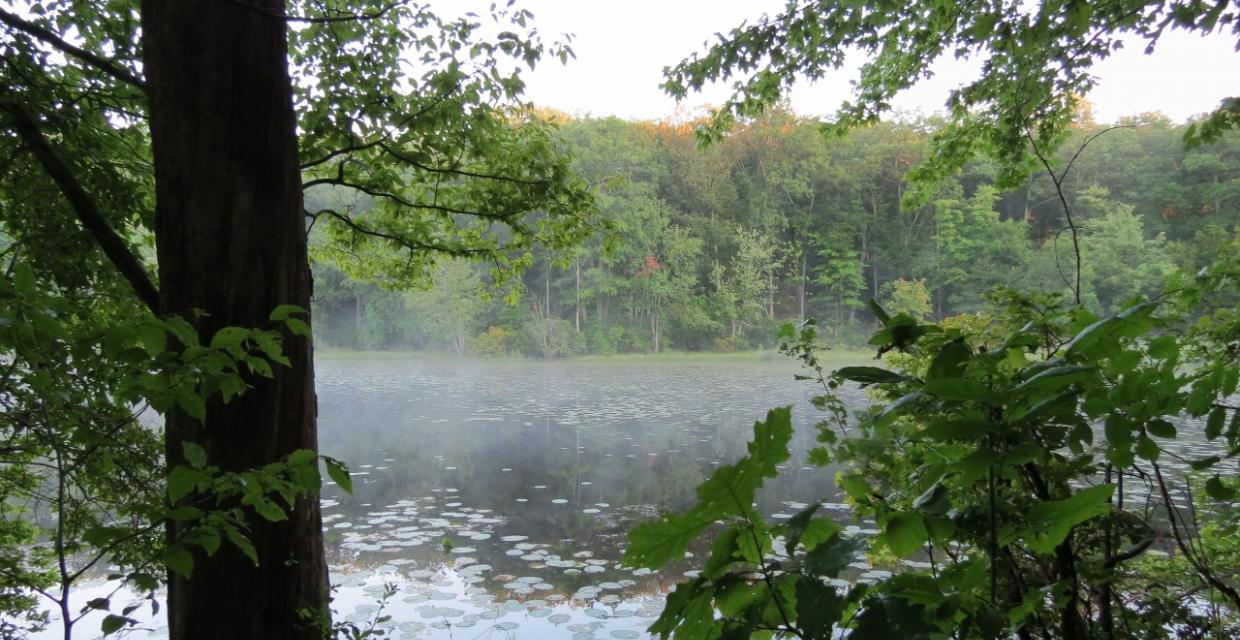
[[1008, 454], [84, 458], [1035, 67], [809, 226]]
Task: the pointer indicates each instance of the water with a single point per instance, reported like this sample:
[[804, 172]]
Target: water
[[533, 472]]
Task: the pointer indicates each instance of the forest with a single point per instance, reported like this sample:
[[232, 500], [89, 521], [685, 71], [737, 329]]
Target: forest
[[997, 397], [712, 249]]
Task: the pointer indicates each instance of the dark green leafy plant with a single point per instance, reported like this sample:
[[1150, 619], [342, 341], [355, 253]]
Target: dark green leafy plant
[[1018, 457]]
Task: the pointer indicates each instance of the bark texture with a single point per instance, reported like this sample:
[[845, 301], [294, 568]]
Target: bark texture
[[231, 242]]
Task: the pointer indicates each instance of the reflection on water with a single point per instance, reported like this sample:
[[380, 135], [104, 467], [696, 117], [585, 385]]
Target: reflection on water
[[497, 496]]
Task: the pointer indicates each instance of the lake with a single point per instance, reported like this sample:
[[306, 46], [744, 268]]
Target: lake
[[533, 472]]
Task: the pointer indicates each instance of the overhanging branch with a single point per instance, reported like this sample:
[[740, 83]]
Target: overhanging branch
[[84, 207], [102, 64]]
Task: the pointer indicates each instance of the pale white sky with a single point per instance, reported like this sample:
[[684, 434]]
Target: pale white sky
[[622, 48]]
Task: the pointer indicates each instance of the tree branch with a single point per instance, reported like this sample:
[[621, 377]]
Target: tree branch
[[403, 242], [88, 213], [44, 35], [343, 17]]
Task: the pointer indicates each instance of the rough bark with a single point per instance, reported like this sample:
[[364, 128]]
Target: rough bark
[[231, 243]]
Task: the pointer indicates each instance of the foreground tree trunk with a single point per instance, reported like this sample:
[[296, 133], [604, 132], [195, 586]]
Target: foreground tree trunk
[[231, 242]]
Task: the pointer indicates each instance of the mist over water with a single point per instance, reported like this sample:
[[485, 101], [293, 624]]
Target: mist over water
[[534, 471]]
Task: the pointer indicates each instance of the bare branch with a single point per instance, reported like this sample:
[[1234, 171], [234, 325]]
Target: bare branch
[[94, 60]]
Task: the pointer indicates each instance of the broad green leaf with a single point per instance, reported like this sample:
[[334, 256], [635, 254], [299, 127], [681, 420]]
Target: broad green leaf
[[242, 543], [795, 527], [885, 617], [722, 552], [284, 311], [1050, 522], [950, 361], [113, 623], [818, 607], [297, 327], [905, 533], [829, 558], [270, 510], [1161, 428], [182, 481], [1147, 449], [1215, 422], [1219, 491], [958, 429], [192, 404], [179, 560], [195, 455], [868, 375], [729, 492], [229, 338], [689, 613], [339, 473], [961, 389], [302, 457]]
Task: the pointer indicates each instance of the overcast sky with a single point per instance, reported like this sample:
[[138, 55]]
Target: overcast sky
[[622, 47]]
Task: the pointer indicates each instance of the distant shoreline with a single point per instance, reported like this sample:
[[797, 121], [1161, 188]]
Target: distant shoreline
[[834, 356]]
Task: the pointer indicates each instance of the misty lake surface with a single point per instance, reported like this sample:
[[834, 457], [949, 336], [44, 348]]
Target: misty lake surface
[[534, 471]]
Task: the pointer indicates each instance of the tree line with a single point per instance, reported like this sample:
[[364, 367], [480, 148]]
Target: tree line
[[711, 249]]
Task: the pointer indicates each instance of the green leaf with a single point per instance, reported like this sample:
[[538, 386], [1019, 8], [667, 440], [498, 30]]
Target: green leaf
[[1219, 491], [879, 311], [796, 525], [959, 389], [179, 560], [182, 481], [886, 617], [957, 429], [933, 501], [1161, 428], [242, 543], [99, 604], [1147, 449], [831, 557], [729, 492], [868, 375], [950, 361], [819, 608], [195, 455], [302, 457], [1215, 422], [298, 327], [905, 533], [339, 473], [1056, 378], [1050, 522], [269, 510], [722, 553], [229, 338], [1205, 463], [689, 613], [283, 312], [113, 623], [192, 404]]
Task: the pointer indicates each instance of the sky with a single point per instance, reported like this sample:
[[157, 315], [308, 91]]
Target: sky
[[622, 47]]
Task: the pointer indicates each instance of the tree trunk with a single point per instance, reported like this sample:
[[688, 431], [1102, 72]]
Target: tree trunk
[[577, 295], [230, 236], [801, 281]]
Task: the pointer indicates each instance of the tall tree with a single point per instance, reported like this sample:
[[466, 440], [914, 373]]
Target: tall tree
[[192, 109]]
